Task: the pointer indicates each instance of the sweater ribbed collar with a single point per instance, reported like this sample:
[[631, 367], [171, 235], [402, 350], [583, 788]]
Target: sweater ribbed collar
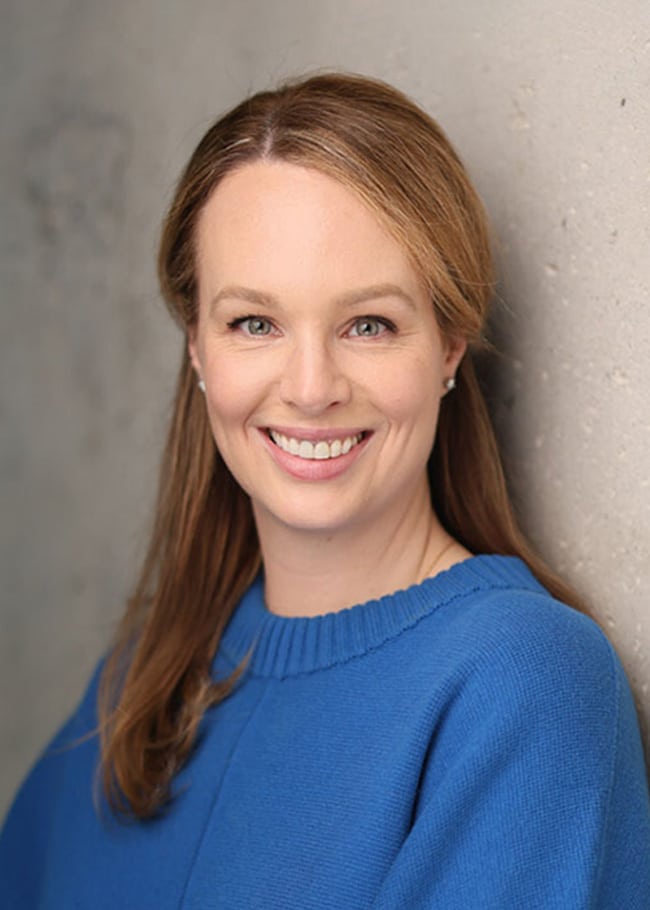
[[288, 646]]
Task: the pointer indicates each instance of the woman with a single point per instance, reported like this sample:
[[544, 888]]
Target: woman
[[401, 708]]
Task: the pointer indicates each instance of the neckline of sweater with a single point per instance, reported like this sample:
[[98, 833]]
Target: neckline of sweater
[[288, 645]]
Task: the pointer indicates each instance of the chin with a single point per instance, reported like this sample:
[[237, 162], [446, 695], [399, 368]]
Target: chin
[[324, 518]]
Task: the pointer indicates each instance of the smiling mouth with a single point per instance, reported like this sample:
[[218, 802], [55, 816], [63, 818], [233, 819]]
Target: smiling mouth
[[315, 451]]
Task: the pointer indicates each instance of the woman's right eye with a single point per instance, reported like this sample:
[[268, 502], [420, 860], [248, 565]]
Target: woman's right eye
[[256, 326]]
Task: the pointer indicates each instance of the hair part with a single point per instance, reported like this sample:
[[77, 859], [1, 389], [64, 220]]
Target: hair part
[[203, 551]]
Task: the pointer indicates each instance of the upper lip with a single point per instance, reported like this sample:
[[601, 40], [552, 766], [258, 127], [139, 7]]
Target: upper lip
[[317, 435]]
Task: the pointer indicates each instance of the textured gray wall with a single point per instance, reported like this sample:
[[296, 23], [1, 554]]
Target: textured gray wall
[[549, 104]]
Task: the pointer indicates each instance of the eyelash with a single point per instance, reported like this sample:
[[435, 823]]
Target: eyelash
[[387, 324]]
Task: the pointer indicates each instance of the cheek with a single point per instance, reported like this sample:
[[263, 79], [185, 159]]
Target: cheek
[[227, 411], [411, 403], [234, 388], [411, 391]]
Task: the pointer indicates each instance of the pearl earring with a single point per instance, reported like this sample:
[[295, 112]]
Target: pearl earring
[[450, 384], [201, 384]]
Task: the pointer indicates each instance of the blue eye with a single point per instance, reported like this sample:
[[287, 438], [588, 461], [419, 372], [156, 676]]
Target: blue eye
[[252, 325], [369, 327]]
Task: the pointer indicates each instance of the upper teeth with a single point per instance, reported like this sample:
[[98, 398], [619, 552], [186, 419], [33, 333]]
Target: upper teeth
[[304, 448]]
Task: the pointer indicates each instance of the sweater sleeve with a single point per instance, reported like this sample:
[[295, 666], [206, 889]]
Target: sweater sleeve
[[534, 791], [40, 804]]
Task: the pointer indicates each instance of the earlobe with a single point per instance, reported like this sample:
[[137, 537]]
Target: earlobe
[[456, 348]]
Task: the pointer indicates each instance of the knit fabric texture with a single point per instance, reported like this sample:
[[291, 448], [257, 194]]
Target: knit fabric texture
[[466, 743]]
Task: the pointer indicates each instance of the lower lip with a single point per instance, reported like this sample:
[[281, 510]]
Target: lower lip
[[313, 469]]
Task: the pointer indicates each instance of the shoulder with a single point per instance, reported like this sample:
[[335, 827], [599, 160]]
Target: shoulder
[[71, 749], [52, 806], [83, 720], [514, 671], [503, 644], [534, 743], [502, 614], [527, 629]]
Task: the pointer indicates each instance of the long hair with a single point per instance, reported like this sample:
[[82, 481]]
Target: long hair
[[203, 551]]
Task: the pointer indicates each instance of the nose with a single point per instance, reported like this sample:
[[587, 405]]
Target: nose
[[312, 379]]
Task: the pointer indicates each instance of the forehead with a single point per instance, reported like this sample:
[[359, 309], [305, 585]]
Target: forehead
[[269, 217]]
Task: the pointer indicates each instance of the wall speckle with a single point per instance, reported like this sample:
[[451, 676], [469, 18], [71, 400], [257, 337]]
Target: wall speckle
[[75, 179]]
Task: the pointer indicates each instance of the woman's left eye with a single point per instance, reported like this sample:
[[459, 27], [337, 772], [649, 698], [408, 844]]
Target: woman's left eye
[[370, 327]]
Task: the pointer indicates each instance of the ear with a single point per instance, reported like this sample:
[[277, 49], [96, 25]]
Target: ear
[[456, 348], [192, 349]]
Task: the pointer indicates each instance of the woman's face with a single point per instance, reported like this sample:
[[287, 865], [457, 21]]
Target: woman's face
[[322, 359]]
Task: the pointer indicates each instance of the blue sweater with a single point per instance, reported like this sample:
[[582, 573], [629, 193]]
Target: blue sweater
[[466, 743]]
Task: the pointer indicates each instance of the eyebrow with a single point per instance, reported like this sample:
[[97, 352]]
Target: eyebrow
[[349, 298]]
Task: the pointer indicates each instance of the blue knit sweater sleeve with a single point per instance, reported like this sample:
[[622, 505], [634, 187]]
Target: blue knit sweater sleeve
[[534, 792]]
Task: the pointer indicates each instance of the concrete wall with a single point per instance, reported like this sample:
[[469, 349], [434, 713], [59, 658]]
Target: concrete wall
[[549, 105]]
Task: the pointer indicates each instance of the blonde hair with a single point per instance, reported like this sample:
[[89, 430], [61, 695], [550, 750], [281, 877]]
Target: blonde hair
[[203, 552]]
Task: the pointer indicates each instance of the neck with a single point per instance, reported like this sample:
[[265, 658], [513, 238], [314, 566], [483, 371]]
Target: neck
[[309, 573]]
